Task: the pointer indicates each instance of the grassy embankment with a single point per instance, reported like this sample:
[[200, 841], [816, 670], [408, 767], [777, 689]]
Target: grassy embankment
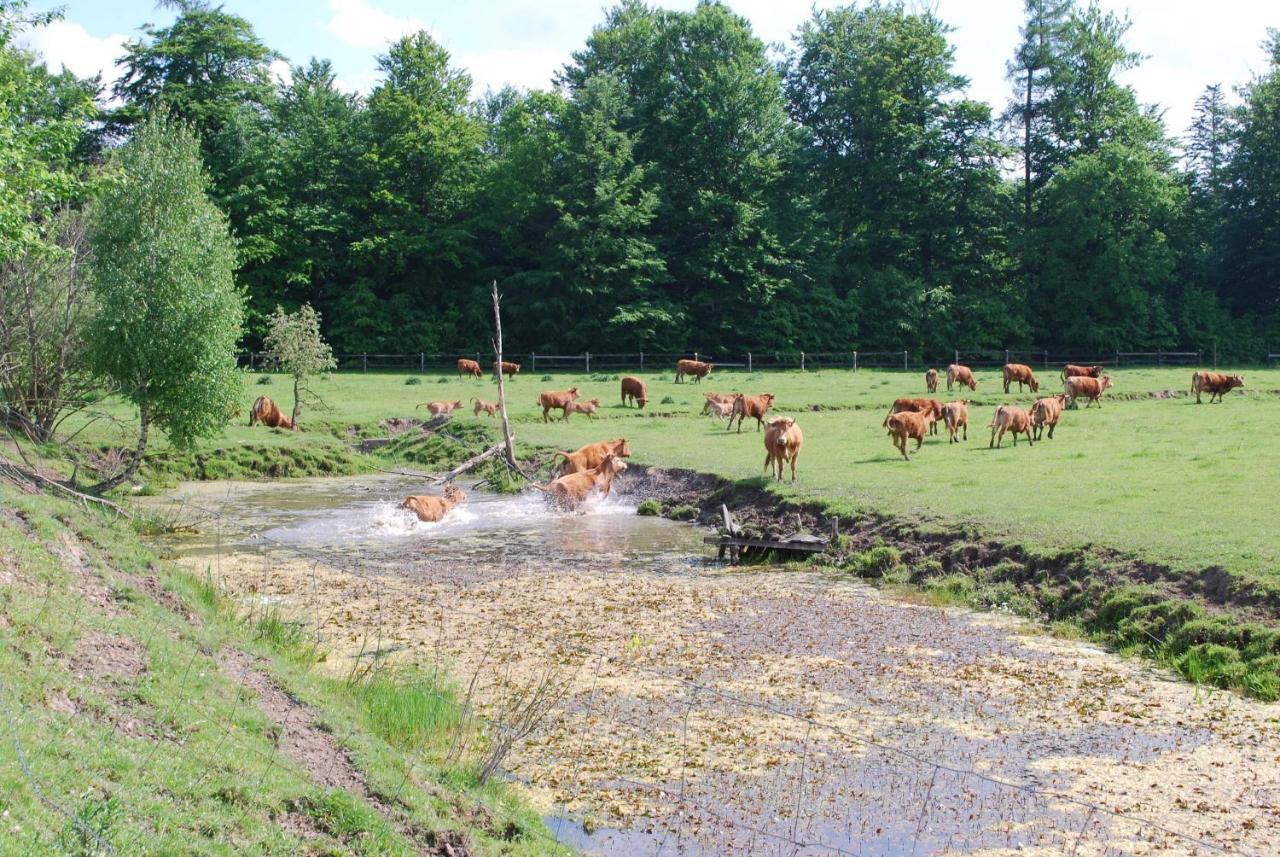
[[143, 715], [1132, 521]]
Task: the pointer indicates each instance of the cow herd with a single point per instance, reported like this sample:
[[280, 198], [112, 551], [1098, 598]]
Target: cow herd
[[593, 467]]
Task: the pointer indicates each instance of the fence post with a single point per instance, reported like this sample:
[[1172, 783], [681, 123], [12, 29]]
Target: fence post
[[250, 361], [855, 361], [1117, 357], [533, 357], [801, 361], [1215, 355], [749, 369], [1006, 356], [588, 362], [696, 357], [364, 362], [904, 359], [1046, 360], [422, 362], [956, 353], [641, 361], [1160, 357]]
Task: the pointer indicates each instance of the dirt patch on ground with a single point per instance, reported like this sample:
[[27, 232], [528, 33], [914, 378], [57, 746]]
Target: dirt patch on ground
[[108, 657]]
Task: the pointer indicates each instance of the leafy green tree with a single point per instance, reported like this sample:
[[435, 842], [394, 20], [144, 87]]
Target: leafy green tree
[[295, 346], [168, 316]]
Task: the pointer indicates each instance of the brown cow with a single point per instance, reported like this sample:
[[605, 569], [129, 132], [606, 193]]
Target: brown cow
[[1090, 388], [490, 408], [509, 369], [909, 424], [750, 406], [265, 411], [1021, 373], [469, 367], [432, 509], [718, 409], [714, 399], [694, 368], [635, 390], [438, 408], [1071, 370], [933, 406], [1013, 419], [591, 455], [1215, 384], [549, 399], [589, 408], [955, 415], [962, 375], [782, 442], [572, 489], [1047, 412], [931, 381]]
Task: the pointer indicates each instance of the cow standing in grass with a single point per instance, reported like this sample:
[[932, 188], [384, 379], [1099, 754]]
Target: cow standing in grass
[[750, 406], [549, 400], [511, 370], [782, 442], [634, 390], [931, 381], [469, 367], [906, 425], [1071, 370], [1009, 419], [695, 369], [265, 411], [1088, 388], [955, 415], [933, 406], [1021, 373], [1215, 384], [962, 375], [1047, 412]]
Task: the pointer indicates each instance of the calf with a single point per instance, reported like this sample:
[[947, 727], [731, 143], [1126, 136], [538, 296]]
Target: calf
[[591, 455], [588, 408], [634, 389], [432, 509], [1071, 370], [1022, 374], [909, 424], [695, 369], [955, 415], [782, 442], [713, 399], [570, 490], [1215, 384], [750, 406], [509, 369], [931, 381], [480, 405], [962, 375], [438, 408], [718, 409], [1047, 412], [469, 367], [549, 399], [905, 404], [265, 411], [1090, 388], [1012, 419]]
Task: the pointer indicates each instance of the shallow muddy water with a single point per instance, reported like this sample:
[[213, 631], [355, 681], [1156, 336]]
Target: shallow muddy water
[[706, 710]]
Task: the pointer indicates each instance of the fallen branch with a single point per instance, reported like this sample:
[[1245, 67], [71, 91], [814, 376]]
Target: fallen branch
[[471, 462], [32, 476]]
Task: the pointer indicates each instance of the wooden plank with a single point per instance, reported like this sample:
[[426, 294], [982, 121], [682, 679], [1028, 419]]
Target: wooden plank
[[803, 547]]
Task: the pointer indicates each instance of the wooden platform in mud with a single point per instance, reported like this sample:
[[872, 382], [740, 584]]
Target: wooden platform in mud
[[739, 546]]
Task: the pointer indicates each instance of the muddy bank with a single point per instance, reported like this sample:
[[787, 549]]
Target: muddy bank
[[1209, 624]]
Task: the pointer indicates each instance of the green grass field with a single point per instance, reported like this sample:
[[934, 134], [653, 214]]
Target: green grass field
[[1187, 485]]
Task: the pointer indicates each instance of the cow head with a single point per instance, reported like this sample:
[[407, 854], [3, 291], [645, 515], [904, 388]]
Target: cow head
[[1106, 382], [935, 408], [454, 494], [612, 463], [457, 404], [573, 392], [782, 422], [620, 448], [595, 403], [1035, 385], [768, 398], [1236, 381]]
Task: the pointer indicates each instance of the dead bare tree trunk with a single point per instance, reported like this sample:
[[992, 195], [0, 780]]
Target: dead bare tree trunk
[[502, 396]]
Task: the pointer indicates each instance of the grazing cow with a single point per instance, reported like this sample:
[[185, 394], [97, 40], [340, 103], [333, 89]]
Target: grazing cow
[[635, 390], [750, 406], [1012, 419], [549, 399], [589, 456], [1071, 370], [570, 490], [588, 408], [1215, 384], [931, 381], [909, 424], [718, 409], [1022, 374], [962, 375], [782, 442], [1089, 388], [695, 369], [469, 367], [265, 411], [933, 406], [438, 408], [432, 509], [490, 408], [955, 416], [509, 369], [1047, 412]]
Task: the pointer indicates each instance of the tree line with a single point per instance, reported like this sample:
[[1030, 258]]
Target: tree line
[[683, 185]]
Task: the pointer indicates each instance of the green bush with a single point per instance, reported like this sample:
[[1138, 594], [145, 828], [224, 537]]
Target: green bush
[[683, 513], [412, 382], [875, 562], [264, 380], [546, 378], [649, 508], [667, 400], [443, 381]]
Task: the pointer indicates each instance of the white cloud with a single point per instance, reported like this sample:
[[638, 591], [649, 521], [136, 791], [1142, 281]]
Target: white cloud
[[529, 68], [362, 25], [69, 45], [281, 72]]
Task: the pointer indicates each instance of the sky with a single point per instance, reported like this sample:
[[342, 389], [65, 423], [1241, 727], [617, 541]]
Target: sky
[[1188, 43]]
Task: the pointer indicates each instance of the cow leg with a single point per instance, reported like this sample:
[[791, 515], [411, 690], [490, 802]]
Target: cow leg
[[793, 466], [768, 461], [1052, 426], [919, 442], [903, 447]]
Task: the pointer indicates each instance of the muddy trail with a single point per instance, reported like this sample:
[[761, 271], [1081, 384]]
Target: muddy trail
[[700, 709]]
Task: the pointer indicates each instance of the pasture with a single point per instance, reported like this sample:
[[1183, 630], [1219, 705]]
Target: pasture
[[1164, 479]]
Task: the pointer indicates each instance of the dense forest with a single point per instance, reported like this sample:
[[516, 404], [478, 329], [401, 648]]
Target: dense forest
[[684, 185]]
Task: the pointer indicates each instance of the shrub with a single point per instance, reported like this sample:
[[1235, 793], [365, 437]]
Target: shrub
[[264, 380], [875, 562], [412, 382], [683, 513], [649, 508], [546, 378], [443, 381], [667, 400]]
